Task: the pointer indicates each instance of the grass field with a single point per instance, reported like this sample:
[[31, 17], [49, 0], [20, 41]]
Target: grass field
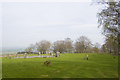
[[65, 66]]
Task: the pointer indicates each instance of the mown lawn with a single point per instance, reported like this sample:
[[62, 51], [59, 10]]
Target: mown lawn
[[65, 66]]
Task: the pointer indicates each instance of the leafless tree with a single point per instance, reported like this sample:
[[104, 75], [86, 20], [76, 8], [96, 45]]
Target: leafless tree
[[30, 48], [82, 44], [96, 48], [59, 46], [68, 45], [43, 46]]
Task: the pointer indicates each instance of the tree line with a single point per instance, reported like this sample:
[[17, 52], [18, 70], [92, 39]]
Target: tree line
[[81, 45]]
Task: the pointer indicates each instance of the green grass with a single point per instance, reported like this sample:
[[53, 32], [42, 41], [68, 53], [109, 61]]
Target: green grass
[[65, 66]]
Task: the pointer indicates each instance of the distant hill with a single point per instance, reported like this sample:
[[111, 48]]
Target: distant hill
[[11, 49]]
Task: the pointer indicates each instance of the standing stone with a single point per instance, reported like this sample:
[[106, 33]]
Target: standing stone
[[57, 54], [39, 54], [25, 55], [51, 53]]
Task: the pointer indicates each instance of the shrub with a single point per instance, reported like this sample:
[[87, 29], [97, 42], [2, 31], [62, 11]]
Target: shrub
[[47, 63]]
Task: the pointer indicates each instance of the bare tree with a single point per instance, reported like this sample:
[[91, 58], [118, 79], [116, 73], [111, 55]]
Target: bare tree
[[82, 44], [43, 46], [30, 48], [68, 45], [59, 46], [96, 48]]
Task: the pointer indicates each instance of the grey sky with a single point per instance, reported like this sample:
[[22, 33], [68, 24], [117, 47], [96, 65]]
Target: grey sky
[[26, 23]]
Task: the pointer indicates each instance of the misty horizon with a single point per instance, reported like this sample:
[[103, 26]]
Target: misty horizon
[[28, 23]]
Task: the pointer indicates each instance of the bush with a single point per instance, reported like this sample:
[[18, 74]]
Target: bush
[[21, 52], [26, 52], [47, 63]]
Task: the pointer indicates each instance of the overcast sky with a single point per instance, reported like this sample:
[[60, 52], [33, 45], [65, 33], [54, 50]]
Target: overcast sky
[[27, 23]]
